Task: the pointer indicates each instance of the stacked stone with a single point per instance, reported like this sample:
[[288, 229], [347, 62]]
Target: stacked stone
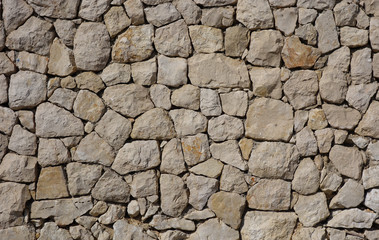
[[189, 119]]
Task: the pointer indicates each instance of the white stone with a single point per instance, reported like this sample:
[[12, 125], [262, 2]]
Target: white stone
[[116, 73], [255, 14], [172, 71], [200, 188], [229, 153]]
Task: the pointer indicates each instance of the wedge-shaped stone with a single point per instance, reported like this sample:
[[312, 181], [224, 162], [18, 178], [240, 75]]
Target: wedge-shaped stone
[[228, 207], [174, 196], [91, 46], [350, 195], [61, 61], [327, 32], [359, 96], [370, 177], [172, 158], [93, 149], [111, 187], [276, 199], [352, 218], [369, 126], [269, 119], [347, 160], [64, 211], [200, 188], [53, 121], [82, 177], [274, 160], [114, 129], [154, 124], [51, 184], [281, 225], [18, 168], [134, 45], [22, 141], [130, 100], [137, 156], [215, 70], [13, 197], [255, 14], [229, 153]]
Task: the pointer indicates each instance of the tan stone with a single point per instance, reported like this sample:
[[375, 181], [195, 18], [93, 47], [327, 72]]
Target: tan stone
[[51, 184], [88, 106], [229, 207], [269, 119], [295, 54], [317, 119], [90, 81], [246, 145], [61, 61]]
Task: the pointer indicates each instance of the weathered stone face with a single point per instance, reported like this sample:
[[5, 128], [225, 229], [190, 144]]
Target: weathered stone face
[[189, 119]]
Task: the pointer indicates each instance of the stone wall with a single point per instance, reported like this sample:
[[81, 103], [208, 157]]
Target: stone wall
[[189, 119]]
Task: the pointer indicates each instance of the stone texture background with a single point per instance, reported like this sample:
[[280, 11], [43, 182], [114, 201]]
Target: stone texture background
[[189, 119]]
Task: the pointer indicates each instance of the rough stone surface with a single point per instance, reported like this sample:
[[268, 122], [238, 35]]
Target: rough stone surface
[[351, 168], [206, 39], [229, 153], [52, 121], [145, 73], [263, 121], [311, 209], [214, 229], [34, 35], [352, 218], [88, 106], [195, 149], [188, 122], [216, 70], [327, 32], [341, 117], [51, 184], [361, 66], [234, 103], [255, 14], [265, 48], [301, 89], [266, 83], [255, 224], [278, 199], [29, 95], [220, 17], [224, 128], [274, 160], [116, 20], [91, 46], [135, 44], [228, 207], [295, 54], [236, 41], [111, 187], [188, 96], [130, 100], [174, 197], [200, 189], [173, 40], [82, 177], [367, 126], [350, 195], [154, 124], [61, 62], [306, 178], [116, 73], [18, 168], [137, 156], [52, 152]]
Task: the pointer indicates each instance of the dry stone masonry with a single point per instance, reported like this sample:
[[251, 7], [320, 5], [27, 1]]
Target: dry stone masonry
[[189, 119]]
